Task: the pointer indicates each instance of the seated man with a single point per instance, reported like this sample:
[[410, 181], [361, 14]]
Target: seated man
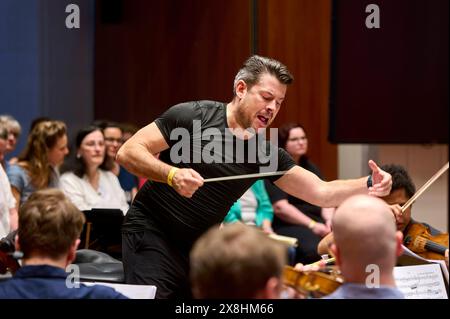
[[236, 262], [402, 190], [366, 246], [48, 236]]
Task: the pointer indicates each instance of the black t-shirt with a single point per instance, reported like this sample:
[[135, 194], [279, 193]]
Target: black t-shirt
[[200, 135], [276, 194]]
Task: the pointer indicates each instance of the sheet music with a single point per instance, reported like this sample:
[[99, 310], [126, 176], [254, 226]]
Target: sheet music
[[409, 258], [131, 291], [421, 281]]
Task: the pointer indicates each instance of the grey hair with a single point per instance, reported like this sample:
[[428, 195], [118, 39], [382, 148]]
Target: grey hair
[[11, 123], [3, 130], [256, 65]]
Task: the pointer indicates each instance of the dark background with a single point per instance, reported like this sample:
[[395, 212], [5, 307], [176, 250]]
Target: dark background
[[390, 85]]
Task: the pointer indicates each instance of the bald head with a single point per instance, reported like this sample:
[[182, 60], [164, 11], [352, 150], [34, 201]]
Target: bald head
[[365, 233]]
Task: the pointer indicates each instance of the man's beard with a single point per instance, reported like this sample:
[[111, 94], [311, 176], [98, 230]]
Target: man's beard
[[242, 118]]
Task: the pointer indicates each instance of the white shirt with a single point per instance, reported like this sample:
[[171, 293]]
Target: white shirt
[[249, 204], [85, 197], [7, 202]]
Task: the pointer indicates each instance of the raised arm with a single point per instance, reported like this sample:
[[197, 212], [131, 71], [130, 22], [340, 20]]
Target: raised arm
[[137, 155], [307, 186]]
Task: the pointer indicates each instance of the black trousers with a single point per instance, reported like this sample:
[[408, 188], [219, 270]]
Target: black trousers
[[148, 259]]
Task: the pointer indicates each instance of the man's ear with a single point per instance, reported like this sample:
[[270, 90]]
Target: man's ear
[[241, 89], [16, 243], [273, 288], [73, 251], [399, 239]]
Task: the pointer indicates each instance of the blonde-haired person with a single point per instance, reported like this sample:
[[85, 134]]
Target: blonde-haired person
[[37, 166], [48, 236]]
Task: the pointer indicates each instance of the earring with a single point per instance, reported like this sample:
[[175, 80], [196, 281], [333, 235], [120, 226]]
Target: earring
[[78, 155]]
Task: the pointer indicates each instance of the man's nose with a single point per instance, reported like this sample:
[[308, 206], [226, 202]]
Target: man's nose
[[272, 106]]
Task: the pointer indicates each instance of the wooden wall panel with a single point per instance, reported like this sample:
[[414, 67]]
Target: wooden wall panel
[[165, 52], [298, 33]]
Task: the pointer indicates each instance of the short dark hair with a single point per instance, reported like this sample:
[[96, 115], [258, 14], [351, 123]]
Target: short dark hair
[[400, 179], [256, 65], [77, 165], [284, 132], [104, 124]]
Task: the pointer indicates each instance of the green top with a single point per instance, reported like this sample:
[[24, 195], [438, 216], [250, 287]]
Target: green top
[[263, 211]]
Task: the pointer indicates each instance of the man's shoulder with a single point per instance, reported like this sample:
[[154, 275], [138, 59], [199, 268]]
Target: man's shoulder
[[197, 108], [207, 104]]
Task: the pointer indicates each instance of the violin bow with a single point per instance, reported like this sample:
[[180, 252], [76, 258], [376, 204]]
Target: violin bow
[[425, 187], [326, 261]]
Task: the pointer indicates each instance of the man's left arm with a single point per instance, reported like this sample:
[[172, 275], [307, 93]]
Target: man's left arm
[[305, 185]]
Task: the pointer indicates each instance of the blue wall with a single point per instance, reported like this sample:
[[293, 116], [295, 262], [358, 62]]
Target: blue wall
[[46, 69]]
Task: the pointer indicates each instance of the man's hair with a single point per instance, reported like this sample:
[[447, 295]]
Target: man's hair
[[48, 224], [234, 262], [256, 66], [400, 179]]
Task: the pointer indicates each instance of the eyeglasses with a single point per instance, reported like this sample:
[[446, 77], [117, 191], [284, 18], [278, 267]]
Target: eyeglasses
[[296, 139], [112, 140]]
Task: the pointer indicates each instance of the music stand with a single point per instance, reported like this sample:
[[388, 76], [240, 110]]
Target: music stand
[[103, 229]]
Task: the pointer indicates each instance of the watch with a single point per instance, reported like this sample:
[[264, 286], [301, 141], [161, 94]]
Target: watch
[[369, 181]]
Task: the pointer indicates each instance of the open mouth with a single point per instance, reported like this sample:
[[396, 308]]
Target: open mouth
[[263, 119]]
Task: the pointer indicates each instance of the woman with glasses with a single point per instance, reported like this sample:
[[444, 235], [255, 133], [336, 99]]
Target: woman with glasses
[[86, 178], [113, 141], [293, 216]]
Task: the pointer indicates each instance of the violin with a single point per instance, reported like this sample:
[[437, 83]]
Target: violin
[[312, 283], [8, 263], [419, 240]]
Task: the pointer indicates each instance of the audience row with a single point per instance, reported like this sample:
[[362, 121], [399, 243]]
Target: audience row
[[86, 172]]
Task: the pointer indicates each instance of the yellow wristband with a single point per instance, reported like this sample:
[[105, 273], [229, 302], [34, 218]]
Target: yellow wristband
[[312, 223], [172, 172]]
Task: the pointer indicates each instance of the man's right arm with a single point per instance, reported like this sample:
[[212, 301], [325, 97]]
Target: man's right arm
[[137, 156]]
